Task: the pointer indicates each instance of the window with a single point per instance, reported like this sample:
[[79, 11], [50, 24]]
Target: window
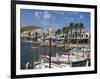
[[86, 35]]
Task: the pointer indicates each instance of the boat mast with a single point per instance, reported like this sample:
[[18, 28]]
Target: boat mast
[[39, 53], [34, 58], [50, 53]]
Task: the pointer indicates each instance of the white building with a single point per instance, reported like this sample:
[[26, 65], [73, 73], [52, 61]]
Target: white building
[[25, 34], [33, 32], [84, 35]]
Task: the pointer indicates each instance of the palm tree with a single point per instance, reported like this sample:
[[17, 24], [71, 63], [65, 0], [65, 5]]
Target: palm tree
[[76, 26], [81, 26], [71, 26], [58, 32], [44, 35], [36, 36], [29, 35], [66, 32]]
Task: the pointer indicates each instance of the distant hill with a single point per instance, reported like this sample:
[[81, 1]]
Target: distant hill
[[29, 28]]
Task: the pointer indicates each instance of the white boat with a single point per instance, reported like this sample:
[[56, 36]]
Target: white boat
[[28, 41]]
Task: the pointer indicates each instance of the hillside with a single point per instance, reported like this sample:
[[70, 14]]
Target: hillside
[[29, 28]]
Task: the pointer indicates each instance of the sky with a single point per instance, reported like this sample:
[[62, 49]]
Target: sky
[[53, 19]]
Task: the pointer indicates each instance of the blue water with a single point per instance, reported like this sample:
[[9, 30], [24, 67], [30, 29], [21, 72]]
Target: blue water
[[27, 52]]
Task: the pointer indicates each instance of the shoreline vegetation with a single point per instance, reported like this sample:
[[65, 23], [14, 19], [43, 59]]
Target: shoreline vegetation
[[73, 42]]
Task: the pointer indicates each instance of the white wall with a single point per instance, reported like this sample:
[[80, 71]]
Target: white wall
[[5, 40]]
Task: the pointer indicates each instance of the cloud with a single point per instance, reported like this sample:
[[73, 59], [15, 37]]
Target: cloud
[[44, 22], [38, 14], [60, 12], [73, 13], [78, 14], [46, 15], [69, 19], [53, 18], [81, 17], [43, 16]]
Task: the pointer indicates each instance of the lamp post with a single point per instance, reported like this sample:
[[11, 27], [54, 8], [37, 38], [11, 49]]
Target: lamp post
[[50, 38], [50, 53]]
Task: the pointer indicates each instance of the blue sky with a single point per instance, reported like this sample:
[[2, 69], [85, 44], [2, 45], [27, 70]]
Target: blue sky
[[53, 19]]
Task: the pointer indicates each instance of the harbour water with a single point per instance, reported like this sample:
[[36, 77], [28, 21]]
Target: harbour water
[[28, 50], [31, 52]]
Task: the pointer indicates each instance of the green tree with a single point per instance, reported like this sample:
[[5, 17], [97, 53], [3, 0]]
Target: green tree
[[58, 32], [44, 35], [66, 32], [71, 27], [76, 26], [29, 35], [81, 26], [36, 35]]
